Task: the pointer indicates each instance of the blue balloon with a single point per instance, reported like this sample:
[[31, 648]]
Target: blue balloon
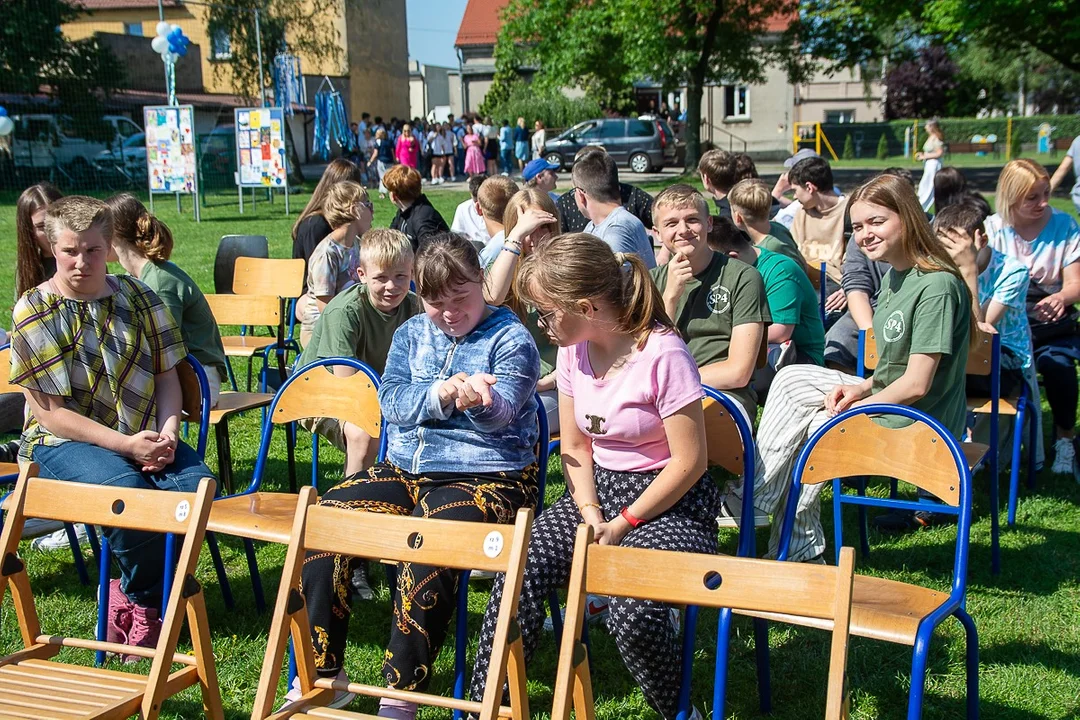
[[181, 51], [3, 111]]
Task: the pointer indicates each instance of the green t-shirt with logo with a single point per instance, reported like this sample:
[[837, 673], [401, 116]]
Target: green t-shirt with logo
[[793, 301], [350, 326], [727, 293], [925, 313], [190, 311]]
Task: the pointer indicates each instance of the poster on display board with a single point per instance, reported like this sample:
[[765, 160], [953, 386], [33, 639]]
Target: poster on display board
[[171, 165], [260, 148]]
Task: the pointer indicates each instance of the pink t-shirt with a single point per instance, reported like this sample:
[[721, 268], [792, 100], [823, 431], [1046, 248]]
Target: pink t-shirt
[[623, 415]]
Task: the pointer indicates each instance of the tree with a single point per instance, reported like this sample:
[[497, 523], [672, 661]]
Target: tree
[[921, 88], [848, 152], [604, 47], [883, 147], [34, 54]]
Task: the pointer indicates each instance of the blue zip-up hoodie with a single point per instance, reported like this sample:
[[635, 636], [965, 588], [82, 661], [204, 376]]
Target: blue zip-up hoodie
[[422, 435]]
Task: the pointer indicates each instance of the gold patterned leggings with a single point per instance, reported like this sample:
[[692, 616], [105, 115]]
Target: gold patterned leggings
[[424, 595]]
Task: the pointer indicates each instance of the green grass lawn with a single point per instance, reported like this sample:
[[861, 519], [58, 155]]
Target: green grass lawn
[[1027, 616]]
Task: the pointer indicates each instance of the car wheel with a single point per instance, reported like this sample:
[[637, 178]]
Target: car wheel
[[640, 163], [554, 158]]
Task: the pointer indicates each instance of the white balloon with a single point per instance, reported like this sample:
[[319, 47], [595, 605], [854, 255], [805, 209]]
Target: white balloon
[[173, 27], [159, 44], [6, 125], [162, 28]]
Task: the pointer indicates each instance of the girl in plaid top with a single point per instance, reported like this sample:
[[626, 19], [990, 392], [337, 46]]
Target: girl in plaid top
[[96, 354]]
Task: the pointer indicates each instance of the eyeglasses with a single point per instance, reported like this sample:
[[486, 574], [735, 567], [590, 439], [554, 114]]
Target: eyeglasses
[[543, 318]]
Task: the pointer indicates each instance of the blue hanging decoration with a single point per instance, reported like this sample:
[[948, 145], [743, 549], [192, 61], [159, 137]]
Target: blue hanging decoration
[[170, 79], [331, 122], [288, 86]]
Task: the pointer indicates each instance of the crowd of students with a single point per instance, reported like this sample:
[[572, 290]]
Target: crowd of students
[[565, 296]]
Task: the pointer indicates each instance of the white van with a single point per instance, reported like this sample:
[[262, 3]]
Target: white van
[[45, 141]]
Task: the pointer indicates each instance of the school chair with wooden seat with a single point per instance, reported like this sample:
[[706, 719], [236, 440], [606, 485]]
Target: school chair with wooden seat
[[807, 594], [924, 454], [272, 276], [314, 391], [32, 683], [442, 543], [817, 277], [229, 249]]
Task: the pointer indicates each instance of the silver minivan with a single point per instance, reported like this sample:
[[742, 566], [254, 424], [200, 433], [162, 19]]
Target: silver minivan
[[643, 144], [45, 141]]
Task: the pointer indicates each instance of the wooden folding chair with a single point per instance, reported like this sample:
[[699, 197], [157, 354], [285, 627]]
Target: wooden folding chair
[[266, 276], [32, 685], [817, 593], [818, 275], [9, 472], [442, 543]]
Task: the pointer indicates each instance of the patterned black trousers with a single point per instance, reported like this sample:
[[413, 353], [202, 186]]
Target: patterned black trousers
[[643, 631], [424, 595]]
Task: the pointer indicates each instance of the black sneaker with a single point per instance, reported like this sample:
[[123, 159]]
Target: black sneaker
[[9, 451], [896, 522], [361, 589]]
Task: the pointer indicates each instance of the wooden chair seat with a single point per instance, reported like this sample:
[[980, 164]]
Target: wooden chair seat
[[265, 516], [880, 609], [245, 345], [45, 689], [974, 452], [9, 470], [230, 403], [1006, 406]]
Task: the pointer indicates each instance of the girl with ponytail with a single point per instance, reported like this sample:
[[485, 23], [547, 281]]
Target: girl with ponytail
[[633, 446], [142, 245]]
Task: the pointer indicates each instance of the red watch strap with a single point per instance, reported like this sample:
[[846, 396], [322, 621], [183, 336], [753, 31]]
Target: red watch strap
[[628, 517]]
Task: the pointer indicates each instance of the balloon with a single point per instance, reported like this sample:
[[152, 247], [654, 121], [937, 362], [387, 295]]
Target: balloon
[[181, 51], [6, 126], [159, 44], [3, 111], [174, 28], [162, 28]]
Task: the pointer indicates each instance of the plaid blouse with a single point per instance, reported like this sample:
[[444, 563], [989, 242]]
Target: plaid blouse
[[101, 355]]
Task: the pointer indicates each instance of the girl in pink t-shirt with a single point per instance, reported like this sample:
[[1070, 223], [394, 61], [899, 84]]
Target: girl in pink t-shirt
[[633, 447]]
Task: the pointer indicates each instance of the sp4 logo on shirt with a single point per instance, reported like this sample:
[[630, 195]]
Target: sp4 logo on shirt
[[718, 300], [894, 327]]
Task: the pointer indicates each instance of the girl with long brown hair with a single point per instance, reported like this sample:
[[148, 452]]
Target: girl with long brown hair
[[35, 263], [923, 325], [633, 446], [311, 227]]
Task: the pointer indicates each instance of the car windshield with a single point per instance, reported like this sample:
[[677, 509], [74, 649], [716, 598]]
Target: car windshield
[[136, 140]]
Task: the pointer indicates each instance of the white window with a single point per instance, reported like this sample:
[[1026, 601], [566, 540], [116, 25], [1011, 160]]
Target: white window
[[839, 116], [134, 28], [736, 102], [220, 45]]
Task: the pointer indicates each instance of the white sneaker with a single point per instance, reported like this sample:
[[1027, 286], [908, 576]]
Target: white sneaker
[[730, 514], [59, 539], [596, 608], [1064, 457], [482, 575], [695, 714], [341, 699], [36, 527]]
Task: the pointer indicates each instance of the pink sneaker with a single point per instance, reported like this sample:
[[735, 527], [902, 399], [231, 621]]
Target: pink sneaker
[[118, 619], [145, 629]]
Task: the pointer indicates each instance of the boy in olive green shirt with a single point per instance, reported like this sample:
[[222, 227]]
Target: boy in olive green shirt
[[360, 323], [717, 303]]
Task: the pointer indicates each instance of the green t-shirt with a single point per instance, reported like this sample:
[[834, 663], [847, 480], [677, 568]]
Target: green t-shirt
[[793, 301], [781, 233], [549, 351], [926, 313], [189, 309], [351, 327], [727, 293], [786, 248]]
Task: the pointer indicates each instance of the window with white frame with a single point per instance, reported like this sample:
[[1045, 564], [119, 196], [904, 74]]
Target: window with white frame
[[220, 45], [736, 102], [133, 28], [839, 116]]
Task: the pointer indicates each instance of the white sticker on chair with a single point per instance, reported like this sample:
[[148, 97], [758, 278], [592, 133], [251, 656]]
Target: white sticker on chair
[[183, 509], [493, 544]]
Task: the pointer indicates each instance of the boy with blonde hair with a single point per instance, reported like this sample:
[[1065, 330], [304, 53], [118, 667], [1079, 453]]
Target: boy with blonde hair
[[491, 201], [751, 200]]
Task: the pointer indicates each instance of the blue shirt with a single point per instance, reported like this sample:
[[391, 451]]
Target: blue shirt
[[1006, 281], [504, 138], [625, 233]]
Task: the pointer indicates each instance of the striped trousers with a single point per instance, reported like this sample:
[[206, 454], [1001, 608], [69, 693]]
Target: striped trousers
[[794, 410]]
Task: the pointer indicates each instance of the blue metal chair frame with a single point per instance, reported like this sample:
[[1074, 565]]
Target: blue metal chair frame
[[821, 292], [955, 604]]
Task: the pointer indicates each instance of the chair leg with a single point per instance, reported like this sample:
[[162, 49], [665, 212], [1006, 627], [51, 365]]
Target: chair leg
[[231, 374], [972, 663], [76, 553], [919, 658], [219, 567], [250, 364], [224, 453], [461, 639], [1033, 431], [761, 652], [256, 579], [689, 633], [91, 535], [104, 558], [556, 615], [995, 520], [1014, 470], [170, 555], [864, 541], [894, 489], [723, 642], [290, 449]]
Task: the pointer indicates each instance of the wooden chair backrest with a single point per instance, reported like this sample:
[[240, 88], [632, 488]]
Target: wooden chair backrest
[[870, 352], [860, 446], [135, 509], [269, 276], [980, 354], [245, 309], [801, 590], [5, 373], [814, 273], [190, 389], [442, 543], [722, 436], [317, 392]]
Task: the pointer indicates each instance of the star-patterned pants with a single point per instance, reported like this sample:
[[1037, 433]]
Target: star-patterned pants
[[424, 595], [644, 634]]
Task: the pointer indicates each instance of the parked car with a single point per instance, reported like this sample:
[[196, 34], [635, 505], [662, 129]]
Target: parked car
[[45, 141], [642, 144], [131, 157]]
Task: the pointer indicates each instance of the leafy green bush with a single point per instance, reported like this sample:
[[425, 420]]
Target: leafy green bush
[[550, 107], [848, 153], [883, 148]]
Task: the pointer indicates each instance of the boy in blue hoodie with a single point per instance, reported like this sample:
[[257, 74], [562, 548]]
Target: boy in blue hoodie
[[457, 396]]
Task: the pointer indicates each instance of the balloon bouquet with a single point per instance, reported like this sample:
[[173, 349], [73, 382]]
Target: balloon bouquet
[[171, 44], [6, 125]]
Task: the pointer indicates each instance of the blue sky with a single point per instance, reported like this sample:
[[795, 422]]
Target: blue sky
[[433, 25]]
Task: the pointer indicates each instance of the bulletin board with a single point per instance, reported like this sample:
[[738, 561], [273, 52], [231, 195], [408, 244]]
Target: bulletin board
[[170, 149], [260, 148]]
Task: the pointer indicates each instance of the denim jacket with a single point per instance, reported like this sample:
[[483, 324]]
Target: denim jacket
[[422, 435]]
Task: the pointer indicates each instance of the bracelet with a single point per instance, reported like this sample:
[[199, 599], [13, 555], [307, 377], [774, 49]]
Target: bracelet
[[509, 249], [581, 508], [635, 522]]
